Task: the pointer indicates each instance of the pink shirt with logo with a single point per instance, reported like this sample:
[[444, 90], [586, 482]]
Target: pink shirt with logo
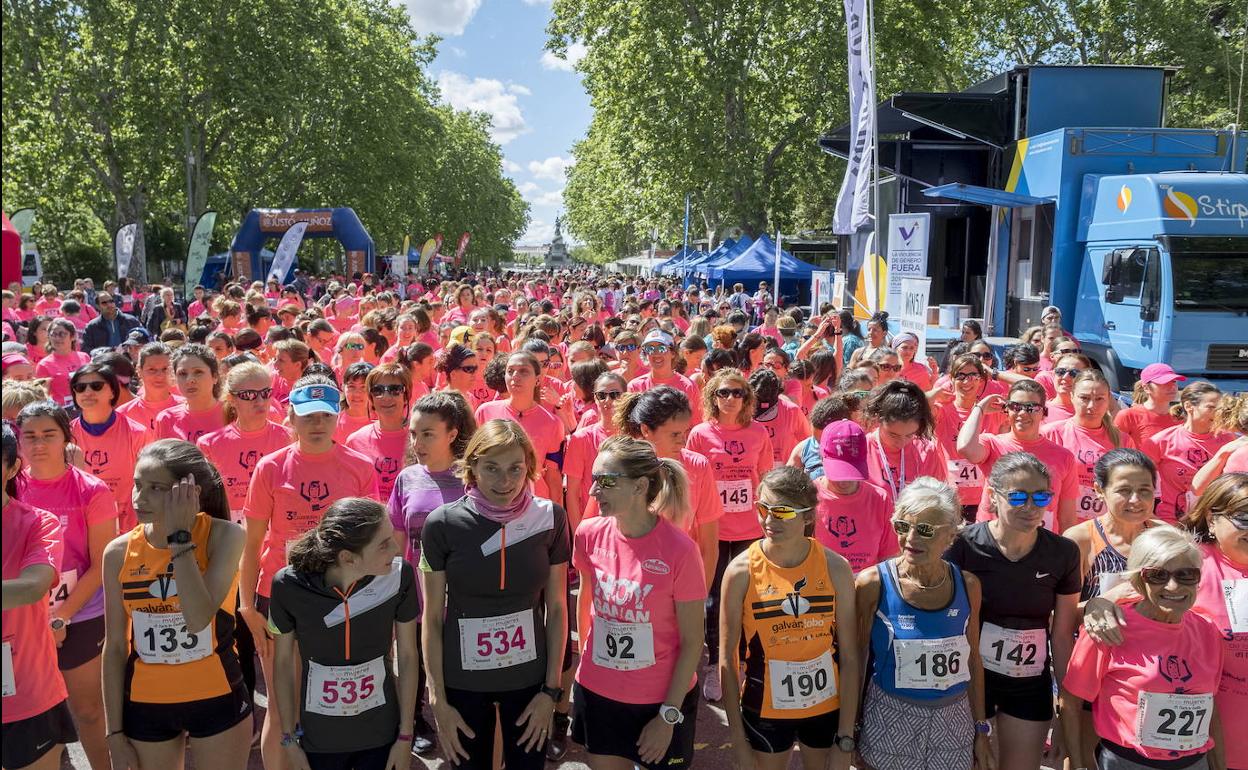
[[111, 458], [1141, 424], [31, 537], [636, 583], [1063, 471], [893, 470], [785, 429], [79, 501], [181, 423], [1087, 445], [1178, 454], [962, 474], [739, 456], [236, 453], [386, 448], [291, 490], [544, 430], [1222, 583], [857, 526], [145, 412], [1155, 658], [58, 368]]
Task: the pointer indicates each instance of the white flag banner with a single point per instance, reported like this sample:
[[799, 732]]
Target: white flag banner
[[286, 251], [123, 247], [854, 201], [913, 315]]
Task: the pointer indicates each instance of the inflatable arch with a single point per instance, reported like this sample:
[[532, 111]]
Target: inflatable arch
[[262, 224]]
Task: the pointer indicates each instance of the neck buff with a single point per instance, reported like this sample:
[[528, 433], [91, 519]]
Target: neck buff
[[500, 514]]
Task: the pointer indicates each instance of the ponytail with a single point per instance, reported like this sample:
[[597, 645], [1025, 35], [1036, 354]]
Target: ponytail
[[1190, 395], [350, 524], [1139, 393], [672, 499], [668, 492]]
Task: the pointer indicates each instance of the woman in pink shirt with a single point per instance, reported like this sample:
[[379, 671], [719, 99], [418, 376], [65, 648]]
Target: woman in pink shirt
[[1150, 412], [784, 421], [1232, 415], [919, 371], [88, 517], [354, 413], [384, 440], [582, 446], [951, 406], [464, 305], [901, 449], [37, 342], [853, 515], [110, 442], [1153, 696], [460, 367], [641, 607], [156, 394], [347, 351], [37, 721], [544, 429], [1065, 369], [63, 358], [290, 492], [196, 371], [1181, 451]]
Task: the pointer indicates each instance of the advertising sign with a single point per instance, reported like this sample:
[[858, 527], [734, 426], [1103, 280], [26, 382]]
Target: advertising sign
[[912, 316], [907, 254]]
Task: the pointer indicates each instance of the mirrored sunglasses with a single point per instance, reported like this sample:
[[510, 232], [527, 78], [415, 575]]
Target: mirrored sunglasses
[[1017, 498], [781, 512], [923, 529], [1024, 408], [252, 394], [607, 480]]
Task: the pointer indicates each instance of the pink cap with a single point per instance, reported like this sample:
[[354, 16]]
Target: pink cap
[[14, 359], [1160, 374], [843, 446]]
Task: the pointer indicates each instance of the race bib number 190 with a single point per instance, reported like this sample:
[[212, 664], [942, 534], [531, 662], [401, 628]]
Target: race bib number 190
[[801, 684], [497, 642], [1173, 721]]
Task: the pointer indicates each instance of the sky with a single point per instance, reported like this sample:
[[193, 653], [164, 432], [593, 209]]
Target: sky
[[492, 59]]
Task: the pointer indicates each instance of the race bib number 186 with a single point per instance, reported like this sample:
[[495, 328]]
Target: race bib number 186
[[932, 664]]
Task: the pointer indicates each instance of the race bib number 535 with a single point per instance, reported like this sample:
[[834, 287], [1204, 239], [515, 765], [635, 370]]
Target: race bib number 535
[[344, 691], [497, 642]]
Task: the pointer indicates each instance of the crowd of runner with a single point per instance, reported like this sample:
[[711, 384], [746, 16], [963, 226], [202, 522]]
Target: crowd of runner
[[524, 505]]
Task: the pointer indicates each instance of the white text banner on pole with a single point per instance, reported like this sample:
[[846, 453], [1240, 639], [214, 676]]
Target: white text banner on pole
[[912, 316], [854, 201], [907, 254]]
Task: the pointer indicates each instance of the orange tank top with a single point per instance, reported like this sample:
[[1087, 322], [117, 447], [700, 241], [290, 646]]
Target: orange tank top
[[168, 662], [789, 624]]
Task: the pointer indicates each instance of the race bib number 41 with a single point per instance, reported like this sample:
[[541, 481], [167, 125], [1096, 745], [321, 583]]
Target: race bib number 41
[[344, 691], [1173, 721], [164, 638], [497, 642], [964, 473], [623, 646], [801, 684], [932, 664]]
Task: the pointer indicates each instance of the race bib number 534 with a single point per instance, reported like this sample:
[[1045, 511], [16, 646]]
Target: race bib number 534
[[497, 642]]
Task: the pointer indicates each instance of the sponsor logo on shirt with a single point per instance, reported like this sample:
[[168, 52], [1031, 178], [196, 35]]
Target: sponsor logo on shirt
[[247, 459], [844, 529], [1173, 667], [794, 603], [97, 459], [734, 448], [657, 566], [314, 492], [905, 622]]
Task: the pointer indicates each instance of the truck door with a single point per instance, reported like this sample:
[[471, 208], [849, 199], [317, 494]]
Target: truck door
[[1130, 275]]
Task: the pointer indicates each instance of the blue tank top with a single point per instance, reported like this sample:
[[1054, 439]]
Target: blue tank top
[[920, 654], [812, 459]]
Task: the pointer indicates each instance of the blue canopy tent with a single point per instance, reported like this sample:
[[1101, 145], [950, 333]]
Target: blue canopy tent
[[685, 268], [758, 263], [719, 257], [675, 259]]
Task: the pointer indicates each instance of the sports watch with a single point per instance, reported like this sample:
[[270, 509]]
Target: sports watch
[[58, 624], [555, 693], [983, 727], [179, 537], [672, 715], [845, 743]]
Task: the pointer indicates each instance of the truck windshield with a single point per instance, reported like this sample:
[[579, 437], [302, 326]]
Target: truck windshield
[[1210, 280]]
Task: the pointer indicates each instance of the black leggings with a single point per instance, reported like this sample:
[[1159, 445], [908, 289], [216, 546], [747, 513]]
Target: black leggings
[[477, 709], [728, 550]]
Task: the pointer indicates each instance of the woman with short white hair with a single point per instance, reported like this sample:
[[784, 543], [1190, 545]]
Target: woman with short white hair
[[1153, 695], [919, 616]]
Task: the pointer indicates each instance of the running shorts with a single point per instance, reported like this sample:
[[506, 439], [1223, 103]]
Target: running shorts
[[83, 643], [776, 736], [156, 722], [26, 740], [611, 728]]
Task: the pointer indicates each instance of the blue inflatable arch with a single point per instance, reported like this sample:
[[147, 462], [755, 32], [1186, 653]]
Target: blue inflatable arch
[[262, 224]]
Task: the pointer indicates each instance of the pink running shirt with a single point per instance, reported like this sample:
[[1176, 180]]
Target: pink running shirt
[[111, 458], [145, 412], [236, 453], [544, 430], [962, 474], [1223, 598], [58, 368], [1141, 424], [181, 423], [702, 496], [1063, 473], [894, 470], [386, 448], [739, 457], [858, 526], [1178, 454], [1087, 447]]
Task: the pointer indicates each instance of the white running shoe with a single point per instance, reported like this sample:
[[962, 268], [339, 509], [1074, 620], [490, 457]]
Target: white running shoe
[[711, 689]]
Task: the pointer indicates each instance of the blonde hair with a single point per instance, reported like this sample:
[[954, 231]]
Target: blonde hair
[[710, 405], [496, 434], [1232, 414], [1107, 420], [1158, 545], [17, 394], [234, 379], [668, 492]]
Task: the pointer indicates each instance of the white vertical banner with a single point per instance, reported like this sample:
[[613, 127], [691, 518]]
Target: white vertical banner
[[123, 248], [287, 248], [839, 281], [908, 236], [820, 289], [854, 201], [912, 315]]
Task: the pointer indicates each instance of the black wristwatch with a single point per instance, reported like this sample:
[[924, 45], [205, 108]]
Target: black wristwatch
[[845, 743], [179, 537], [555, 693]]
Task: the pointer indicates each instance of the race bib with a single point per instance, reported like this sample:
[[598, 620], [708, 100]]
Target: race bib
[[931, 664], [164, 638], [1235, 594], [9, 688], [63, 588], [497, 642], [1013, 652], [623, 646], [344, 691], [736, 496], [1107, 580], [238, 518], [1173, 721], [1090, 504], [964, 474], [801, 684]]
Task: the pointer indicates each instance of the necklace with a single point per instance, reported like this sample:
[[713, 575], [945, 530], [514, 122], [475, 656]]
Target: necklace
[[944, 577]]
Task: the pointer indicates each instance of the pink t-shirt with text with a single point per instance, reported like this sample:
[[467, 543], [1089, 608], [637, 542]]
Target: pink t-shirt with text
[[679, 381], [703, 500], [111, 459], [1087, 445], [785, 429], [857, 526], [1178, 454], [236, 453], [960, 473], [739, 456], [893, 470]]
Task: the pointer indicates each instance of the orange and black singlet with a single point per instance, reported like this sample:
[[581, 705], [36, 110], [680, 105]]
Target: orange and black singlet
[[168, 662], [789, 624]]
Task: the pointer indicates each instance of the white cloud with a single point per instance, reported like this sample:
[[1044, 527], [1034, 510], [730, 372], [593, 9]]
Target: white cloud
[[537, 2], [457, 52], [567, 63], [552, 198], [442, 17], [528, 189], [511, 167], [553, 168], [540, 231], [489, 96], [516, 88]]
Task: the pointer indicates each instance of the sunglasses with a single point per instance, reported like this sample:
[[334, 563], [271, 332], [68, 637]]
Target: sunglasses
[[607, 395], [251, 395], [655, 350], [1238, 520], [1017, 498], [1157, 576], [961, 376], [354, 346], [922, 528], [730, 393], [628, 348], [1062, 371], [781, 512], [390, 389], [97, 386], [1068, 351], [1029, 369], [984, 356], [889, 367], [470, 369], [607, 480], [1020, 407]]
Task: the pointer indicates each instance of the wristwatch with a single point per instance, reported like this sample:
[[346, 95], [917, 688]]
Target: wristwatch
[[555, 693], [672, 715], [179, 537], [58, 624], [983, 727], [845, 743]]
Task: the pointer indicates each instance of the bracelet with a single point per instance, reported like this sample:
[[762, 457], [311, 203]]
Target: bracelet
[[184, 551], [405, 738]]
